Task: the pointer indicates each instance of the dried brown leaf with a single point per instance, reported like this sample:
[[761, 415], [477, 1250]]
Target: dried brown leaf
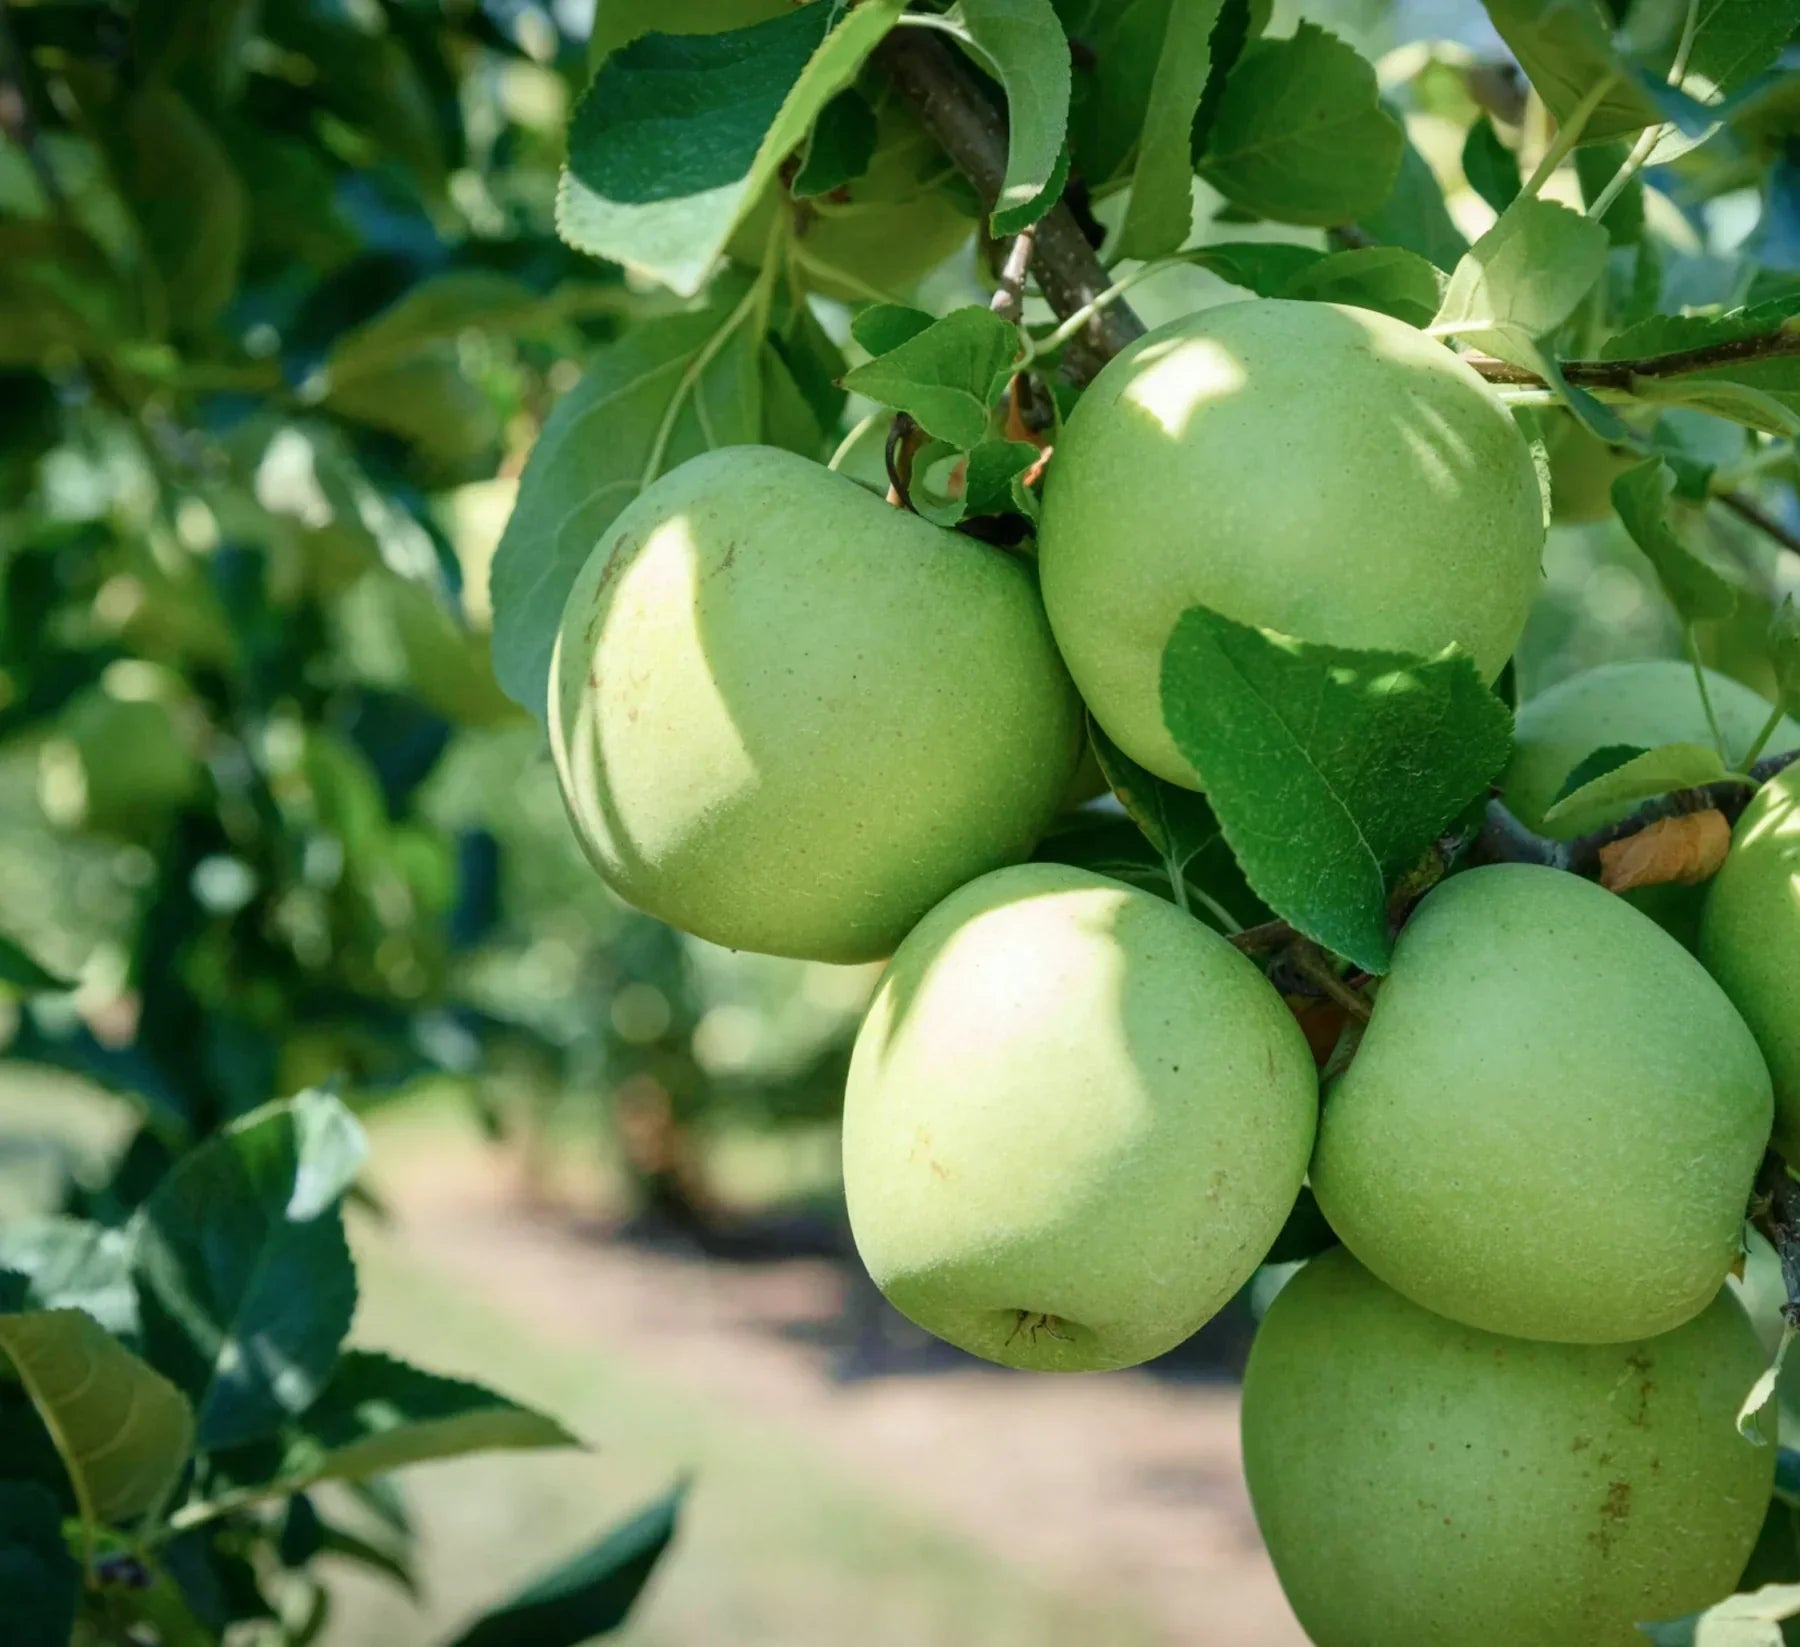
[[1682, 850]]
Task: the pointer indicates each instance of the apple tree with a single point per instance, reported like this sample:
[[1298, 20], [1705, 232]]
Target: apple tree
[[1149, 697]]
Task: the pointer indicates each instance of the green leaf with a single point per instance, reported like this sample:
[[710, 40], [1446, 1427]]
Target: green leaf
[[1304, 1235], [434, 312], [179, 178], [1655, 772], [1490, 166], [882, 327], [1565, 48], [1301, 135], [1160, 212], [697, 373], [1761, 393], [679, 134], [377, 1415], [40, 1582], [1784, 652], [1595, 167], [948, 376], [1607, 758], [1266, 267], [989, 481], [1182, 830], [1121, 48], [588, 1594], [1024, 44], [1386, 278], [1331, 771], [1752, 1620], [840, 147], [1414, 214], [21, 975], [73, 1265], [1522, 279], [1757, 1409], [245, 1280], [1641, 496], [124, 1431]]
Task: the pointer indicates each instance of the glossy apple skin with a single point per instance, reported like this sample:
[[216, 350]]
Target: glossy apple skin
[[789, 718], [1424, 1484], [1319, 470], [1076, 1119]]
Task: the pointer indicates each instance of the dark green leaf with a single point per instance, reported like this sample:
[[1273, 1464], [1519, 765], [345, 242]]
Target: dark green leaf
[[1603, 760], [1596, 166], [588, 1594], [1386, 278], [1023, 42], [882, 327], [1761, 392], [40, 1582], [679, 135], [597, 449], [987, 485], [20, 974], [1331, 771], [1565, 48], [377, 1415], [245, 1281], [1642, 498], [1121, 47], [1160, 212], [1784, 652], [1304, 1235], [1414, 214], [1301, 135], [1266, 267], [948, 377], [124, 1432], [1490, 166], [840, 147]]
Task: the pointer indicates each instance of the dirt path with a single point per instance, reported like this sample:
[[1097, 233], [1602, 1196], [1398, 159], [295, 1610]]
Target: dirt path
[[1123, 1483]]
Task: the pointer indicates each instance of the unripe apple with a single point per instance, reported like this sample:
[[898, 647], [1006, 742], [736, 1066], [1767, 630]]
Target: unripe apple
[[1551, 1127], [1750, 939], [1314, 469], [1582, 470], [1424, 1484], [789, 718], [1640, 704], [1076, 1118]]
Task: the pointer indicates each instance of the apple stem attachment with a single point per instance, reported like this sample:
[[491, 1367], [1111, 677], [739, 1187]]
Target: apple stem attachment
[[1504, 839], [1775, 1210], [902, 446]]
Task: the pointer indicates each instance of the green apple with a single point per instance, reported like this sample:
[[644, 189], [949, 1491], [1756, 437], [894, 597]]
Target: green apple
[[1640, 704], [1551, 1127], [1582, 470], [789, 718], [1424, 1484], [1075, 1120], [1750, 939], [1314, 469], [874, 238]]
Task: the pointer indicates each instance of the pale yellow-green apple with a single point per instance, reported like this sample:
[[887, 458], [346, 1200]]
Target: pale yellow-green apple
[[873, 238], [1582, 469], [1551, 1126], [1424, 1484], [1641, 705], [789, 718], [1075, 1120], [1750, 939], [1314, 469]]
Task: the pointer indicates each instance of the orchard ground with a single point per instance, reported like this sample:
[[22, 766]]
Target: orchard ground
[[854, 1484]]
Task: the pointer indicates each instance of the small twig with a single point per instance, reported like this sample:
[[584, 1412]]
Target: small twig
[[901, 445], [1008, 301], [1746, 508], [1623, 374], [951, 105], [1254, 940], [1776, 1212], [1504, 839], [1313, 965]]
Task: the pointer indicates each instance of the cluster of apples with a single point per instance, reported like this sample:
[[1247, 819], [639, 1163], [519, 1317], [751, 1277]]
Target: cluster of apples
[[789, 718]]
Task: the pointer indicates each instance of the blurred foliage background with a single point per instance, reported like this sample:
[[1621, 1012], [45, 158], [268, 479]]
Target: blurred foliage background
[[282, 308]]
